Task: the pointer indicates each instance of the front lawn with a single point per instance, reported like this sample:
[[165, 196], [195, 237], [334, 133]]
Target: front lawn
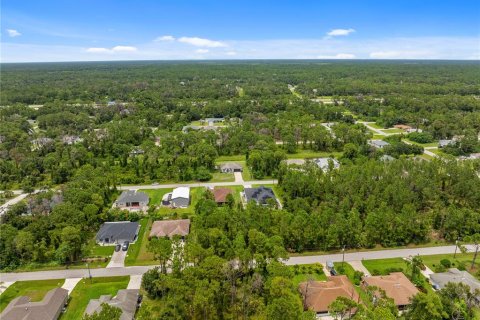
[[222, 177], [384, 266], [36, 290], [84, 291], [156, 195], [135, 248], [461, 261], [307, 272]]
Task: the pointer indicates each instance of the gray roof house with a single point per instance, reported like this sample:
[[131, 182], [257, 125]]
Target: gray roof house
[[181, 197], [444, 143], [260, 195], [230, 167], [132, 200], [117, 232], [49, 308], [126, 300], [378, 144], [439, 280], [324, 163]]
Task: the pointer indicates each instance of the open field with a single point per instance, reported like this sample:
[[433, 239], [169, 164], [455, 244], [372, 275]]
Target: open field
[[36, 290], [84, 291]]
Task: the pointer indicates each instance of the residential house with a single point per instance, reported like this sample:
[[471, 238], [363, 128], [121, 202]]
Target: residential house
[[189, 127], [49, 308], [386, 158], [136, 151], [170, 228], [132, 200], [231, 167], [178, 198], [126, 300], [111, 233], [378, 144], [318, 295], [40, 143], [396, 286], [444, 143], [212, 121], [260, 195], [69, 140], [440, 280], [324, 163], [220, 195], [414, 130], [402, 127]]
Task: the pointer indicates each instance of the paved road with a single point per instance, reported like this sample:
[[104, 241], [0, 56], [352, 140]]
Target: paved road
[[193, 185], [11, 202], [138, 270], [377, 131]]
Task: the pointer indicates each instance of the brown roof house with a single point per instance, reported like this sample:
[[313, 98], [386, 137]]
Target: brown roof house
[[48, 309], [220, 195], [396, 286], [318, 295], [170, 228]]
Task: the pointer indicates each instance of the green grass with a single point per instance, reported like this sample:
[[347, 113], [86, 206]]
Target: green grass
[[222, 177], [425, 145], [36, 290], [53, 265], [306, 272], [237, 157], [393, 130], [306, 154], [378, 137], [135, 248], [84, 291], [156, 195], [433, 261], [382, 265], [196, 123], [376, 126], [94, 250]]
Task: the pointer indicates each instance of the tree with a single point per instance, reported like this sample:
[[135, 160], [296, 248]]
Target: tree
[[162, 251], [341, 307], [107, 312], [475, 239], [426, 306]]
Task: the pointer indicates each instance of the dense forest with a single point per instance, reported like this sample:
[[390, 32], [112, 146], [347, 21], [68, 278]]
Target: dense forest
[[70, 133]]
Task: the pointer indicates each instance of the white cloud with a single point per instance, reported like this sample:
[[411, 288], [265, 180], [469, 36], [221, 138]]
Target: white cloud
[[337, 56], [398, 54], [98, 50], [231, 53], [340, 32], [124, 49], [13, 33], [116, 49], [202, 51], [165, 38], [200, 42]]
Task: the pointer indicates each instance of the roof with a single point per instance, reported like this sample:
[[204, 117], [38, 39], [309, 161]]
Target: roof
[[231, 165], [320, 294], [220, 194], [295, 161], [126, 300], [443, 143], [260, 195], [124, 230], [456, 276], [378, 143], [387, 157], [323, 163], [132, 196], [214, 119], [170, 228], [396, 286], [402, 126], [48, 309], [181, 192]]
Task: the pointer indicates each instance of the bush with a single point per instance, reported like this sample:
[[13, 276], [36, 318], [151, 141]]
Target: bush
[[446, 263], [390, 270], [439, 268], [421, 137], [461, 266]]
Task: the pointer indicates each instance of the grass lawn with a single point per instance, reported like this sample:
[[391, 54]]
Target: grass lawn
[[36, 290], [461, 258], [306, 154], [84, 291], [196, 123], [425, 145], [425, 156], [394, 130], [375, 125], [378, 137], [135, 248], [238, 157], [381, 266], [156, 195], [222, 177], [306, 272]]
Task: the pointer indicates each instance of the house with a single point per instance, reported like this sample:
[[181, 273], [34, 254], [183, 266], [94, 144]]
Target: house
[[297, 162], [439, 280], [378, 144], [185, 129], [260, 195], [324, 163], [318, 295], [402, 127], [414, 130], [396, 286], [220, 195], [69, 140], [170, 228], [230, 167], [40, 143], [444, 143], [474, 156], [136, 151], [212, 121], [49, 308], [126, 300], [178, 198], [386, 158], [111, 233], [132, 200]]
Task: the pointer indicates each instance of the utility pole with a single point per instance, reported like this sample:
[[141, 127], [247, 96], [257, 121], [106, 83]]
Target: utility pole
[[89, 273], [456, 246], [343, 255]]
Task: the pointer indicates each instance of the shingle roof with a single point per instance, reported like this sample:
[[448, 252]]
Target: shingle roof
[[260, 195], [456, 276], [132, 196], [320, 294], [48, 309], [170, 228], [126, 300], [396, 286], [124, 230], [181, 192], [220, 194], [231, 165], [378, 143], [323, 163]]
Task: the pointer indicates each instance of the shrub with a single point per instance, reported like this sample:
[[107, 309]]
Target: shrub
[[446, 263]]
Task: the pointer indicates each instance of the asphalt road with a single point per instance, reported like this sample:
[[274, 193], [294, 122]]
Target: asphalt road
[[196, 184], [138, 270]]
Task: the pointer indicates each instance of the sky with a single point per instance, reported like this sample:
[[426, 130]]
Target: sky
[[99, 30]]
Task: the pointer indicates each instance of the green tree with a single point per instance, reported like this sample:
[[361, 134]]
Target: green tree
[[107, 312], [162, 251]]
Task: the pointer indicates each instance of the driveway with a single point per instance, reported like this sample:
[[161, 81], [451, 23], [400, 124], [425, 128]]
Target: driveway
[[135, 282], [118, 259], [238, 177], [70, 284], [358, 266]]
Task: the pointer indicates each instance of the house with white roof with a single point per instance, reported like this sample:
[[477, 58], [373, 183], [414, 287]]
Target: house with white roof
[[178, 198]]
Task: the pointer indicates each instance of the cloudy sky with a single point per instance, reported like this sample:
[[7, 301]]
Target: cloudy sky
[[85, 30]]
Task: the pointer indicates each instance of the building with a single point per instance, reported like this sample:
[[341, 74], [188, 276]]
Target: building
[[170, 228], [132, 200], [324, 163], [220, 195], [378, 144], [396, 286], [444, 143], [230, 167], [117, 232], [297, 162], [126, 300], [40, 143], [440, 280], [71, 140], [178, 198], [402, 127], [49, 308], [212, 121], [386, 158], [318, 295], [260, 195], [185, 129]]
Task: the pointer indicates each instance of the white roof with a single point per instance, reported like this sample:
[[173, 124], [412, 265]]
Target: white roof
[[181, 192], [323, 162]]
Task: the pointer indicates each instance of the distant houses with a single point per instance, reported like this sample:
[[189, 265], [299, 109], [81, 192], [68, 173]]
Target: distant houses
[[170, 228], [260, 195], [49, 308], [396, 286], [111, 233], [41, 143], [324, 163], [132, 200], [70, 140], [444, 143], [378, 144], [230, 167], [178, 198], [126, 300]]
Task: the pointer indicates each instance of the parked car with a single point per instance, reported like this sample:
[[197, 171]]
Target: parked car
[[125, 245], [118, 247]]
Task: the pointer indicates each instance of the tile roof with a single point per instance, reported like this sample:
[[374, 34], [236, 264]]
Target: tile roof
[[220, 194], [170, 228], [396, 286]]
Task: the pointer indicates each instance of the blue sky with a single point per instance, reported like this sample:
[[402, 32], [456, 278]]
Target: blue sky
[[86, 30]]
